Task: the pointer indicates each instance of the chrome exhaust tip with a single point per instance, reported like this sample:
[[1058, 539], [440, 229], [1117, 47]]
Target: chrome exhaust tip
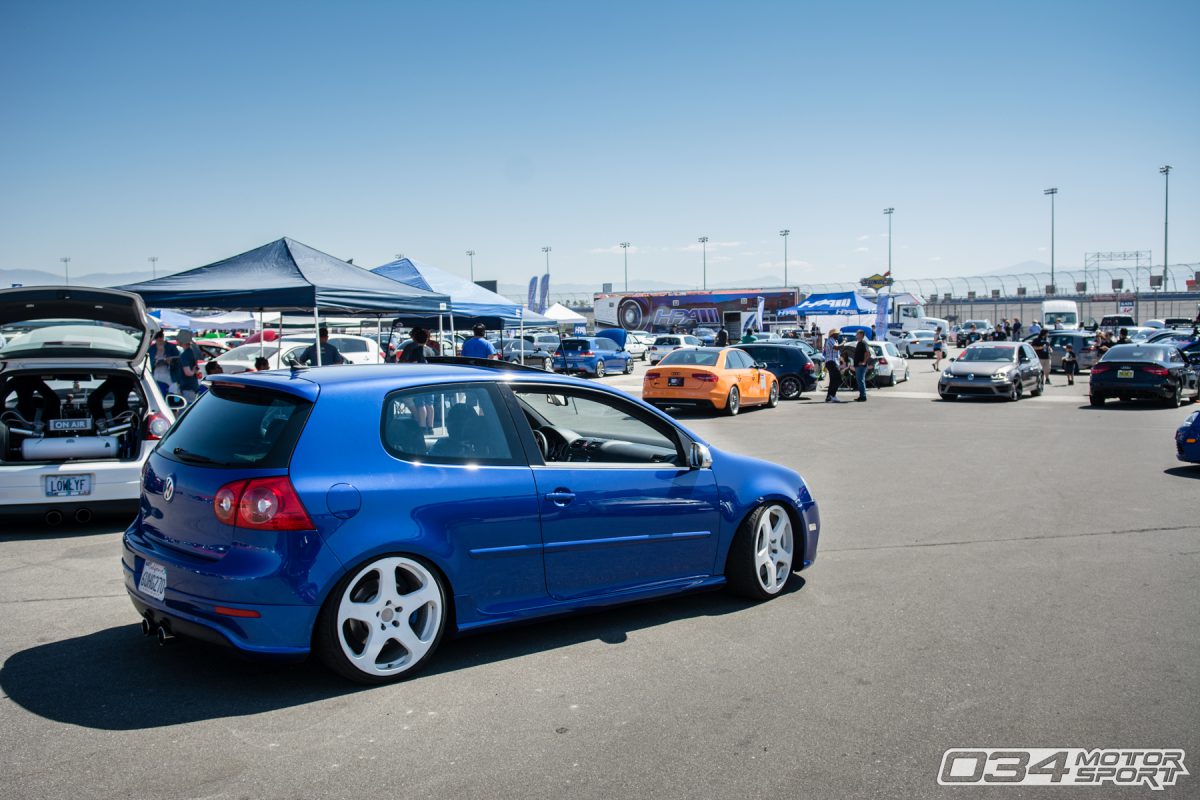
[[83, 516], [147, 627], [164, 635], [53, 518]]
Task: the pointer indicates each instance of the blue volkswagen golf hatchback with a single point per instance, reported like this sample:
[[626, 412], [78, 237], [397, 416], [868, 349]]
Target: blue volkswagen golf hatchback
[[362, 513]]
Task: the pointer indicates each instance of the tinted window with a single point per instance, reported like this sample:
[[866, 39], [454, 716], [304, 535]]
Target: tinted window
[[239, 427], [1136, 352], [692, 340], [575, 345], [670, 341], [469, 426], [699, 358], [736, 359], [605, 344], [349, 345]]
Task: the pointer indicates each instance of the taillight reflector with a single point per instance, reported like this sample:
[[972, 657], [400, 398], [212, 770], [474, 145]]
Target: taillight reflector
[[244, 613], [157, 426], [705, 377], [653, 376], [1157, 370], [1098, 368]]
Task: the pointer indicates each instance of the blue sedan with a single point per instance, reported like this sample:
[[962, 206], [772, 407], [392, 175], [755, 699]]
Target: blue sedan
[[1187, 439], [364, 514]]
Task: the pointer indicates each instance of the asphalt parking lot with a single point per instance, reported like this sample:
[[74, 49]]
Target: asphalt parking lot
[[990, 574]]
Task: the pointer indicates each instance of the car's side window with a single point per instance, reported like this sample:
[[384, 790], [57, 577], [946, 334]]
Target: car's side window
[[581, 427], [454, 424]]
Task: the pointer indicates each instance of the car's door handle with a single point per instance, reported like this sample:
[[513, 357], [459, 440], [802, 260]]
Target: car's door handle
[[561, 497]]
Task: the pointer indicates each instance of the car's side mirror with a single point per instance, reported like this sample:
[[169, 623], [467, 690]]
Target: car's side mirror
[[759, 365], [700, 457], [175, 402]]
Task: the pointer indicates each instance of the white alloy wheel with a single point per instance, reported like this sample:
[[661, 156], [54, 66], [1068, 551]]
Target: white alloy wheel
[[773, 546], [389, 618]]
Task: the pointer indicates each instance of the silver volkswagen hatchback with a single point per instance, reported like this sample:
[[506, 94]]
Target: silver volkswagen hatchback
[[993, 369]]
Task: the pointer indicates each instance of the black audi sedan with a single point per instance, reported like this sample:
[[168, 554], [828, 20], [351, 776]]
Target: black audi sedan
[[1155, 371], [791, 365]]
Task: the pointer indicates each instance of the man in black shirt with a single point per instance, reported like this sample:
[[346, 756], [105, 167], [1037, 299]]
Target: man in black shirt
[[862, 360], [330, 355], [722, 337]]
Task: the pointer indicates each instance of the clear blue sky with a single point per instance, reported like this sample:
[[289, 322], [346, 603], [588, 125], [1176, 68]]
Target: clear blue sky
[[192, 131]]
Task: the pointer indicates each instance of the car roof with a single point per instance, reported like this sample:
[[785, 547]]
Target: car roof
[[308, 382]]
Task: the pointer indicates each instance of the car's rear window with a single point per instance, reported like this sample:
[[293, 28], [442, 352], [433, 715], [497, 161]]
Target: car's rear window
[[667, 340], [697, 358], [350, 345], [1136, 352], [235, 426], [575, 345]]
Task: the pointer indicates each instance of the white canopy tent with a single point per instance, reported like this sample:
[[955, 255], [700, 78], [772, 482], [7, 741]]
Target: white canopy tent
[[563, 315]]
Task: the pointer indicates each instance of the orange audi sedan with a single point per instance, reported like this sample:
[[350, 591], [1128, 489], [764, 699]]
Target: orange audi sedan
[[724, 379]]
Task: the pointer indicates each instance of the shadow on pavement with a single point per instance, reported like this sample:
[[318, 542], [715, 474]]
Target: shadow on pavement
[[22, 529], [1192, 472], [118, 679]]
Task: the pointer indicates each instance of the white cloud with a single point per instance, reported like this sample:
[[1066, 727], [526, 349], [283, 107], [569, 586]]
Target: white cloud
[[862, 249], [1041, 249], [864, 237], [936, 258], [616, 249]]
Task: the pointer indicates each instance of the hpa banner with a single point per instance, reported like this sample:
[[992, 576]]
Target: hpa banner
[[762, 310], [531, 301], [881, 316], [545, 294]]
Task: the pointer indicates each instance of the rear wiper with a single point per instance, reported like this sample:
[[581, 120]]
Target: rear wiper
[[196, 458]]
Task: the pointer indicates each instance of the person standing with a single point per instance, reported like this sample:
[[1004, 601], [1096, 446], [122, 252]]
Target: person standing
[[477, 346], [748, 337], [1041, 346], [1016, 330], [1070, 363], [862, 360], [1008, 328], [1035, 328], [162, 354], [939, 348], [832, 357], [189, 366], [722, 337], [417, 351], [330, 355]]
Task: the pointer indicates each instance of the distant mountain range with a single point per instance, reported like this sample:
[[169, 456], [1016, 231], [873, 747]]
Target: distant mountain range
[[34, 277]]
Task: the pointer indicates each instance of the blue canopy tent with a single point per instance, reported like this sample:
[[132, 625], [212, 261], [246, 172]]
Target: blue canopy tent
[[844, 303], [286, 275], [470, 303]]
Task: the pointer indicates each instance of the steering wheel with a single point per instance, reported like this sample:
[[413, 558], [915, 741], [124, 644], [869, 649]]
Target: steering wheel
[[543, 443]]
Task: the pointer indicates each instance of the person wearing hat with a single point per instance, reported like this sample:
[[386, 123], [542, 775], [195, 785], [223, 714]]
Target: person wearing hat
[[832, 369], [330, 355], [477, 346]]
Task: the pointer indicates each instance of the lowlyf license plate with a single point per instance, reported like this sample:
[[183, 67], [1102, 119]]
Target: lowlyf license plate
[[1125, 373], [67, 485], [153, 582], [84, 424]]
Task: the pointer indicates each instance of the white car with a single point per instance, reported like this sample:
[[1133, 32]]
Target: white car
[[79, 409], [916, 343], [890, 366], [641, 340], [283, 352], [669, 342]]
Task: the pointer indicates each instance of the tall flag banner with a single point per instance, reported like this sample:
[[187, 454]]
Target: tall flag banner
[[881, 316], [762, 311], [545, 293], [532, 301]]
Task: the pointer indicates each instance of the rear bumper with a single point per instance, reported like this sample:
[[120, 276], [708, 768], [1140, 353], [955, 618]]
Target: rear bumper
[[1159, 391], [112, 481], [715, 398]]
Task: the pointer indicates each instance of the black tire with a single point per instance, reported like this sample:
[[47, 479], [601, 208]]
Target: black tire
[[892, 379], [1015, 393], [733, 403], [325, 634], [773, 396], [601, 370], [741, 569], [1041, 387], [790, 387], [1124, 398], [1176, 399], [629, 367], [1096, 400]]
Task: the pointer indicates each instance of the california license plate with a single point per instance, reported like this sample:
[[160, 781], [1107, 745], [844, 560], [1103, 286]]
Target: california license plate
[[153, 582], [84, 424], [674, 381], [67, 485], [1124, 373]]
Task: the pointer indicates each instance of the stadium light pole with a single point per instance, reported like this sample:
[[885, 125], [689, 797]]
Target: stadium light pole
[[1166, 173], [784, 233], [625, 252], [66, 260], [153, 265], [703, 240], [1052, 192], [471, 255], [888, 212], [546, 250]]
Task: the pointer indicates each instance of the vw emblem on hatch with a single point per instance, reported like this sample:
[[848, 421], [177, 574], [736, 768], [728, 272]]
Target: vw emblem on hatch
[[169, 488]]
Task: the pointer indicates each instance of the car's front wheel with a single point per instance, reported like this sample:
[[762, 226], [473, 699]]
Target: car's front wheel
[[629, 367], [773, 396], [1096, 400], [1176, 398], [762, 553], [382, 622]]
